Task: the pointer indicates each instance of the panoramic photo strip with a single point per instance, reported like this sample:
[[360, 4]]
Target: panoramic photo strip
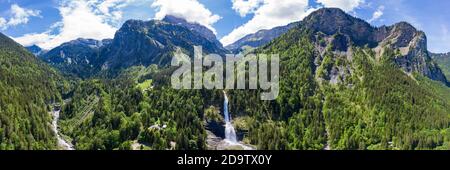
[[224, 83]]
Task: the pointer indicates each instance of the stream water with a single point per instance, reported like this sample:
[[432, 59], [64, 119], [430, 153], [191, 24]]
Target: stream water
[[61, 142]]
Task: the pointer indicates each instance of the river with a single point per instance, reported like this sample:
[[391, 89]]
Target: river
[[62, 143]]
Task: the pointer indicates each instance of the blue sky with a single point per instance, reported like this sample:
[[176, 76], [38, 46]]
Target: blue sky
[[49, 23]]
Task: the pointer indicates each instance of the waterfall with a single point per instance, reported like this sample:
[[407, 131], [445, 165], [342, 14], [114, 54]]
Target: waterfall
[[230, 133]]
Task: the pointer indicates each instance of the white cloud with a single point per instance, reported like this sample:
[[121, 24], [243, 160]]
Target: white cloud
[[111, 8], [32, 39], [377, 14], [19, 16], [244, 7], [346, 5], [80, 19], [191, 10], [271, 14], [2, 23]]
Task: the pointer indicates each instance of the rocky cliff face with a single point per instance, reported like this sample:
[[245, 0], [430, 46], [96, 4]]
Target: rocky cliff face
[[194, 27], [331, 21], [78, 57], [152, 42], [135, 43], [342, 31], [414, 56], [443, 60]]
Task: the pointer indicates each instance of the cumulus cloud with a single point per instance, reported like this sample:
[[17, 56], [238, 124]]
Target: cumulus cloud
[[31, 39], [80, 19], [19, 16], [377, 14], [191, 10], [346, 5], [111, 8], [244, 7], [270, 14], [2, 23]]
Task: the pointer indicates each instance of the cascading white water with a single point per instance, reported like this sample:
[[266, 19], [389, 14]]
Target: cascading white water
[[230, 140], [61, 142], [230, 133]]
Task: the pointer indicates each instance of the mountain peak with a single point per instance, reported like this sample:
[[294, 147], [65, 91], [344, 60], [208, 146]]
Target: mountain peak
[[133, 24], [36, 50], [331, 21], [35, 46], [194, 27], [328, 14], [6, 42], [174, 19], [153, 42], [405, 25], [329, 11], [343, 31]]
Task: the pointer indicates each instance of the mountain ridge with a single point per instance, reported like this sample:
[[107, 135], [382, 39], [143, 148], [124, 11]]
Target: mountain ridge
[[27, 87], [411, 43], [344, 84], [443, 60], [36, 50], [342, 31], [151, 42], [338, 93], [136, 43], [76, 57], [195, 27], [260, 38]]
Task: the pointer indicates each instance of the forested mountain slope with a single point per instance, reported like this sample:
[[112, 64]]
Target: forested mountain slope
[[342, 89], [443, 60], [27, 87], [135, 43], [344, 85]]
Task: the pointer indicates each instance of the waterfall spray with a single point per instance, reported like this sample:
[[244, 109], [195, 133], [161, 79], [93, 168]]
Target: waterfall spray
[[230, 133]]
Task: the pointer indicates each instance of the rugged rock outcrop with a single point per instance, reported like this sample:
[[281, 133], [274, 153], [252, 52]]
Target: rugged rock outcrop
[[135, 43], [443, 60], [194, 27], [78, 57], [343, 31], [152, 42]]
